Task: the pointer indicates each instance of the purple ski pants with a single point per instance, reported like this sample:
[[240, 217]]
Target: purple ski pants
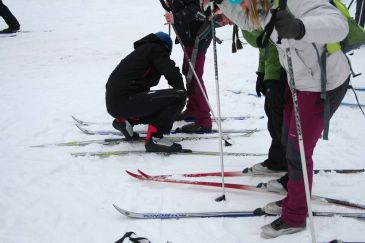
[[196, 104], [311, 109]]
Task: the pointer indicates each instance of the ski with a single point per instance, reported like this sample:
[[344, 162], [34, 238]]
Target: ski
[[143, 152], [352, 105], [144, 176], [183, 215], [117, 133], [7, 35], [359, 89], [227, 214], [248, 172], [107, 141], [88, 123], [176, 137], [116, 141], [32, 31]]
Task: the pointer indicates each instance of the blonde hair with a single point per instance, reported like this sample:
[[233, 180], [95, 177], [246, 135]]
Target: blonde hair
[[254, 8]]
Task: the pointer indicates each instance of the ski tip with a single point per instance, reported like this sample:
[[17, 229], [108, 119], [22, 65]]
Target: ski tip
[[77, 120], [246, 171], [143, 174], [122, 211], [135, 175], [116, 207]]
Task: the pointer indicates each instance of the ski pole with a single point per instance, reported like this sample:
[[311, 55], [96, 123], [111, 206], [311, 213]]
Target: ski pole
[[223, 197], [361, 17], [300, 138], [352, 1], [202, 90]]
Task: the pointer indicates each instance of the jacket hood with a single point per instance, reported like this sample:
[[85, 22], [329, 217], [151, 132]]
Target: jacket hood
[[151, 38]]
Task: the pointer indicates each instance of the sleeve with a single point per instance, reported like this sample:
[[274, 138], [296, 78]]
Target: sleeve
[[272, 64], [166, 67], [261, 67]]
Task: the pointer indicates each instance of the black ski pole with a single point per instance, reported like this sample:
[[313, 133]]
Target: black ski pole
[[352, 1], [300, 138]]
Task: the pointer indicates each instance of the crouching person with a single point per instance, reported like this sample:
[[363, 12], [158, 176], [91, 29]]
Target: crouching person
[[130, 101]]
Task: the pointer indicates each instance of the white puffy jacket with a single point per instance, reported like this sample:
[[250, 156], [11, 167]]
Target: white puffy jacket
[[323, 24]]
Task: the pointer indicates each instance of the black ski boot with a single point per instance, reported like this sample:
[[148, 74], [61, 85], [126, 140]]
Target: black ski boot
[[155, 142], [126, 128], [9, 30], [195, 128]]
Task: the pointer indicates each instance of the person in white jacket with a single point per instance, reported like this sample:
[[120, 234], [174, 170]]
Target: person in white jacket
[[306, 27]]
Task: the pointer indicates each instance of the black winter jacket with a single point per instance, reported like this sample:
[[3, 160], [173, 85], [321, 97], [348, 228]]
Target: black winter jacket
[[186, 24], [142, 69]]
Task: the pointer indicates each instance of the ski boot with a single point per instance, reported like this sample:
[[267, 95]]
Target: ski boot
[[126, 128], [278, 227], [262, 169], [155, 142], [194, 128], [9, 30], [278, 185], [273, 208]]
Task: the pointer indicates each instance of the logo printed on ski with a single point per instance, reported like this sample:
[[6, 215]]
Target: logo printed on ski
[[143, 152], [229, 214]]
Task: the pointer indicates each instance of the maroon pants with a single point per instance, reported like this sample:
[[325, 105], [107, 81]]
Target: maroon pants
[[311, 117], [197, 105]]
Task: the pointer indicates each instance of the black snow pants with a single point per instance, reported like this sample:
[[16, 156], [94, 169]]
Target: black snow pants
[[158, 108], [274, 108], [8, 17]]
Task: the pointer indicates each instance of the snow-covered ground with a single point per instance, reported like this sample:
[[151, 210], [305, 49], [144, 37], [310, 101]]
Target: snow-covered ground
[[60, 69]]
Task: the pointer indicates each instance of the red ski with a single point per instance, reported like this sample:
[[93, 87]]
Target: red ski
[[248, 172], [144, 176]]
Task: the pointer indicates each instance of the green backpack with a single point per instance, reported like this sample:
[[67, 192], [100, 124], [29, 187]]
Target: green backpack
[[356, 36]]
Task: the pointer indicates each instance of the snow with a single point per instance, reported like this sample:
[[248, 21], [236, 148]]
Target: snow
[[60, 70]]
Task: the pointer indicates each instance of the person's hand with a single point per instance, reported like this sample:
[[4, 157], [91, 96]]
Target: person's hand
[[169, 18], [288, 27], [260, 84]]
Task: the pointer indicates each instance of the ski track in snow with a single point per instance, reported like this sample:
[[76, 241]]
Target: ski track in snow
[[48, 196]]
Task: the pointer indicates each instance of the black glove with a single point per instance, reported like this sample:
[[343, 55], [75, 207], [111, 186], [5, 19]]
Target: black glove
[[288, 27], [260, 84]]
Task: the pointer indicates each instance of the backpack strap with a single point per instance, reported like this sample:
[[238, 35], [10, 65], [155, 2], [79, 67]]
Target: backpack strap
[[263, 39], [322, 60]]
